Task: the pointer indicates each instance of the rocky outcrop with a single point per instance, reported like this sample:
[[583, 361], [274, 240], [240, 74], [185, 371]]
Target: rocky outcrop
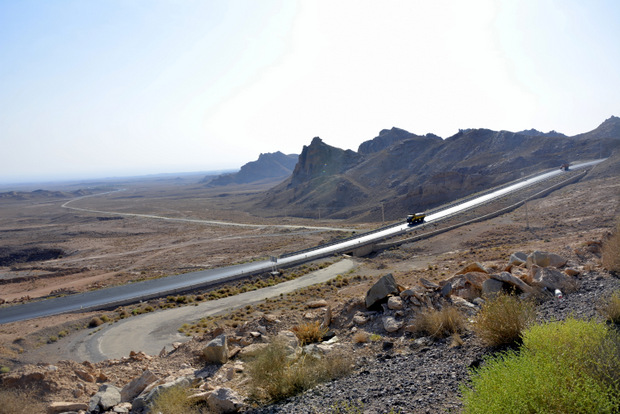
[[275, 165], [416, 173]]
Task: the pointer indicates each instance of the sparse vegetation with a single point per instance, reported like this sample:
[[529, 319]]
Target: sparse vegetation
[[12, 402], [95, 322], [560, 368], [610, 254], [274, 375], [174, 400], [440, 323], [502, 320], [610, 308], [309, 333]]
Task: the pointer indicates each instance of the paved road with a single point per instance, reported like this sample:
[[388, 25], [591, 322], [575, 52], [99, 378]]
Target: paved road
[[173, 284], [153, 331]]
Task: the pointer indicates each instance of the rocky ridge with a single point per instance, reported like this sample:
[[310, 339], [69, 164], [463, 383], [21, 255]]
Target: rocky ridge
[[408, 172], [269, 166]]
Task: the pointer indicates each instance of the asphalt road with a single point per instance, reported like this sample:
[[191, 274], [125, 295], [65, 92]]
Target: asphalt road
[[134, 292], [153, 331]]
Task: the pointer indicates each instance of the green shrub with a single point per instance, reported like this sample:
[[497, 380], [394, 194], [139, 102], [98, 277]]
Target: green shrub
[[275, 374], [440, 323], [610, 308], [174, 400], [559, 369], [502, 320]]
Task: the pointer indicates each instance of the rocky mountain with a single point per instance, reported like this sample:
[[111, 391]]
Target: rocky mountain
[[535, 133], [272, 166], [401, 172]]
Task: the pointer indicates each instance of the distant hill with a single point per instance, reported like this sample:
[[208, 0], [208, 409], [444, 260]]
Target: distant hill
[[269, 166], [407, 172]]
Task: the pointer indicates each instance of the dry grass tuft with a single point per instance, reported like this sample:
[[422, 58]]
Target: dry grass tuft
[[19, 401], [274, 375], [440, 323], [502, 320], [309, 333], [361, 337], [175, 400], [610, 308], [611, 251]]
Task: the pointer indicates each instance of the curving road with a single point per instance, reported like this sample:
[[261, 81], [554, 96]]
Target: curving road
[[134, 292]]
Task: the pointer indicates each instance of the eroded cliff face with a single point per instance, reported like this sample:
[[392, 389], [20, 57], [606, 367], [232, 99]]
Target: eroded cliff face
[[268, 166], [413, 172], [321, 160]]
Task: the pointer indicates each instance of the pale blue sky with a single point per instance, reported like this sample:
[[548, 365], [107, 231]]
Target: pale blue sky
[[112, 88]]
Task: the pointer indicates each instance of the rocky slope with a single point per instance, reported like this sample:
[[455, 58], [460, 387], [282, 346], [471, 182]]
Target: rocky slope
[[269, 166], [407, 172]]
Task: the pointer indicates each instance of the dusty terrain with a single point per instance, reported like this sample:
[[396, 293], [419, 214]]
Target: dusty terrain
[[100, 252]]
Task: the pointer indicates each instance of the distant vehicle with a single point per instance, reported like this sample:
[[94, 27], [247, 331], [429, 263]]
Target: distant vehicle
[[417, 218], [564, 167]]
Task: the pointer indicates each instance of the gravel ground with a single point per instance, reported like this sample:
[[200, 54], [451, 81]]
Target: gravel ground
[[427, 379]]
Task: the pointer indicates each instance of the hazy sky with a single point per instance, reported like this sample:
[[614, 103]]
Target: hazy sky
[[123, 87]]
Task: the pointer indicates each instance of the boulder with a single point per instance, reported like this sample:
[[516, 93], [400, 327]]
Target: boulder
[[517, 259], [216, 350], [492, 287], [571, 272], [380, 291], [63, 407], [224, 400], [428, 284], [472, 267], [107, 397], [545, 259], [467, 285], [84, 375], [390, 324], [290, 340], [148, 396], [552, 279], [395, 303], [513, 281], [360, 319], [137, 385], [321, 303], [446, 290]]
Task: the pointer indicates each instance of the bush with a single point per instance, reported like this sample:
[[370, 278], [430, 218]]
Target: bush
[[309, 333], [94, 322], [440, 323], [275, 374], [502, 320], [610, 308], [14, 401], [560, 368], [174, 400], [610, 255]]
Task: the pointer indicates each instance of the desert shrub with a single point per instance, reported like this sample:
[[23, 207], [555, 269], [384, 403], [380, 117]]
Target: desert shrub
[[502, 320], [19, 401], [555, 371], [275, 374], [174, 400], [361, 337], [610, 254], [309, 333], [610, 308], [94, 322], [440, 323]]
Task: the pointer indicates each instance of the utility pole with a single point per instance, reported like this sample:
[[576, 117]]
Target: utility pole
[[527, 221]]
